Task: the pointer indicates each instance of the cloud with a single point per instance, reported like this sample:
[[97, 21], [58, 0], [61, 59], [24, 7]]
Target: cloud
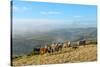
[[77, 16], [15, 8], [24, 8], [19, 9], [50, 12], [38, 22]]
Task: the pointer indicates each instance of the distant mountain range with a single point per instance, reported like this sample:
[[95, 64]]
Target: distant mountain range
[[24, 43]]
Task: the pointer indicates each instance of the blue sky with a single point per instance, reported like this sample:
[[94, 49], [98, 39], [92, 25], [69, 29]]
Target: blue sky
[[38, 14]]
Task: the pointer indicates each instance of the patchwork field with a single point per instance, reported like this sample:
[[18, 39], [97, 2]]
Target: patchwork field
[[67, 55]]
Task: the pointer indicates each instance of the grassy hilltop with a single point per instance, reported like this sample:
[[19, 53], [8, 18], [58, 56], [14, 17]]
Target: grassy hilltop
[[67, 55]]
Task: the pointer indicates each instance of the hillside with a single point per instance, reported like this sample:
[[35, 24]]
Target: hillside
[[24, 43], [67, 55]]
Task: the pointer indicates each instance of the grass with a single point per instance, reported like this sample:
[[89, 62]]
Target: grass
[[67, 55]]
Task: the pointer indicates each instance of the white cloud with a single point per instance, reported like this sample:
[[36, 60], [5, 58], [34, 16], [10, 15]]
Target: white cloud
[[50, 12], [19, 9], [24, 8], [15, 8], [77, 16], [38, 22]]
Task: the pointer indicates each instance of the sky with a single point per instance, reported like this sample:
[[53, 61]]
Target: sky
[[42, 15]]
